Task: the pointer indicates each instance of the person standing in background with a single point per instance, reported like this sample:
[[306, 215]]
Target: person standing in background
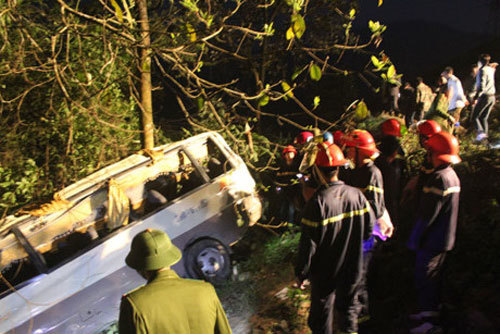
[[407, 103], [455, 94], [484, 96], [423, 98]]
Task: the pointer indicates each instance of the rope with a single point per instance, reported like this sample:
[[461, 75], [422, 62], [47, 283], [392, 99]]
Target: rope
[[154, 155]]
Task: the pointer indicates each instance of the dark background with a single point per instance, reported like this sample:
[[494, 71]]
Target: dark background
[[424, 36]]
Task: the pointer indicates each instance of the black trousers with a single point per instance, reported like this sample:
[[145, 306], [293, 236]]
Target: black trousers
[[428, 278], [362, 294], [481, 112], [324, 295]]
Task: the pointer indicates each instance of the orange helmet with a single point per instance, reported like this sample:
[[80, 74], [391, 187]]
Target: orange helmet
[[303, 137], [330, 155], [428, 128], [445, 146], [391, 127], [287, 149], [363, 141]]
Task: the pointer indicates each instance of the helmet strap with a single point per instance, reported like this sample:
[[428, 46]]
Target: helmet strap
[[319, 176]]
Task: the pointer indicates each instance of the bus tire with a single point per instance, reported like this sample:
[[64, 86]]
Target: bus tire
[[208, 259]]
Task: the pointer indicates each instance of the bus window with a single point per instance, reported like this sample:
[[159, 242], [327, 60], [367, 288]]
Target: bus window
[[214, 161]]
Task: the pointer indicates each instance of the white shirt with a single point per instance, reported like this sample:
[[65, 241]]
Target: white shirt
[[457, 97]]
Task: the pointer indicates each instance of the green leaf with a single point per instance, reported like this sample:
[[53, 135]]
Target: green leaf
[[380, 2], [315, 72], [394, 82], [289, 34], [200, 102], [287, 89], [118, 10], [298, 25], [191, 32], [370, 25], [268, 29], [391, 71], [352, 13], [374, 26], [316, 101], [297, 73], [375, 61], [264, 100], [362, 111]]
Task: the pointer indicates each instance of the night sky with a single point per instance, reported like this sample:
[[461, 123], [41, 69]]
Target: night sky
[[424, 36], [461, 15]]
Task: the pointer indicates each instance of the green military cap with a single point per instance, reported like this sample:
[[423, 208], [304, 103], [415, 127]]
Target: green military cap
[[152, 250]]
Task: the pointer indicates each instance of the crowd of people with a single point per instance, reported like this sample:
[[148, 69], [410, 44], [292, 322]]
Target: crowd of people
[[449, 102], [346, 193], [353, 193]]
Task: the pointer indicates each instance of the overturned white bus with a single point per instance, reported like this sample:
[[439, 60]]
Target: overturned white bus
[[62, 266]]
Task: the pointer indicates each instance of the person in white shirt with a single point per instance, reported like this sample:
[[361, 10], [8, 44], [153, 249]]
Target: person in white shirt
[[484, 95], [455, 94]]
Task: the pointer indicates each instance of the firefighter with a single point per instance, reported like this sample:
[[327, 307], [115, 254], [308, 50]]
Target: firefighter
[[425, 129], [303, 138], [392, 164], [391, 127], [287, 186], [167, 303], [361, 150], [433, 234], [335, 222]]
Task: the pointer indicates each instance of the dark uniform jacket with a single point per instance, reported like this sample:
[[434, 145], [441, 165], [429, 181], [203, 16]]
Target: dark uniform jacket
[[286, 174], [335, 222], [368, 179], [436, 220], [392, 174], [171, 305]]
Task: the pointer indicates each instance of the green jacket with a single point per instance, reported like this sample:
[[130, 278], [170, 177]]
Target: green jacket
[[169, 304]]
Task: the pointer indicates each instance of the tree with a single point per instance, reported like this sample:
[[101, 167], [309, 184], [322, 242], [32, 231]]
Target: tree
[[72, 69]]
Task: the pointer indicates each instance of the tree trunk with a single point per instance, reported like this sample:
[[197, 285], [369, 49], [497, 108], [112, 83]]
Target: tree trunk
[[146, 96]]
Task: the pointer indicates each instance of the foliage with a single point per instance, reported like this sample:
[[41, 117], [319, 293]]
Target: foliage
[[65, 105], [70, 71]]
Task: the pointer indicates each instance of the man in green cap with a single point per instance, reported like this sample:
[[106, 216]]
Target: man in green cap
[[167, 303]]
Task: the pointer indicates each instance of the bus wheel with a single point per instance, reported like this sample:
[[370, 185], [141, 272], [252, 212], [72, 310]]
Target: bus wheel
[[208, 259]]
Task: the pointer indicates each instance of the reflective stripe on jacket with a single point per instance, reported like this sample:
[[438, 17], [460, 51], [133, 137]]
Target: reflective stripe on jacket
[[335, 222], [368, 179], [436, 220]]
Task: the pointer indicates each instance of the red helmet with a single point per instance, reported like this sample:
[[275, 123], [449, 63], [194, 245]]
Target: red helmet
[[303, 137], [391, 127], [287, 149], [445, 146], [428, 128], [330, 155], [338, 138], [363, 141]]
